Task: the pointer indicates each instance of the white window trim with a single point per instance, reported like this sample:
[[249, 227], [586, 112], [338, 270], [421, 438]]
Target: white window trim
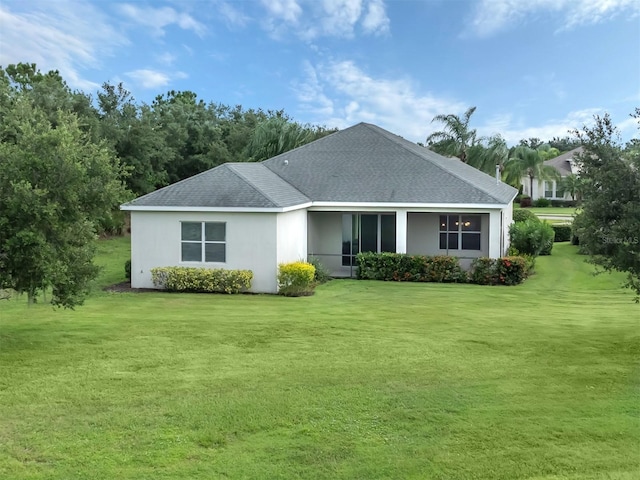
[[203, 242]]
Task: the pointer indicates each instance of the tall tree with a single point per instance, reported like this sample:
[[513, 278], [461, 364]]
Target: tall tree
[[572, 184], [609, 224], [56, 186], [527, 162], [279, 134], [455, 138]]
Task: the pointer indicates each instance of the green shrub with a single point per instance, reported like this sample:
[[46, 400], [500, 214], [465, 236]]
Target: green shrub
[[521, 215], [525, 201], [483, 271], [296, 279], [532, 237], [127, 270], [563, 203], [193, 279], [563, 232], [542, 202], [322, 274], [511, 270], [401, 267]]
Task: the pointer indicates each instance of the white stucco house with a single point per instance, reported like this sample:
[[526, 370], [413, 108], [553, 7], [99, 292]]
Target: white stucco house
[[564, 164], [359, 189]]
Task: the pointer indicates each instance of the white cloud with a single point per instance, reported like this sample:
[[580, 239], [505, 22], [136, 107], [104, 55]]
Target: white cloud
[[147, 78], [310, 19], [158, 18], [492, 16], [340, 94], [232, 15], [376, 20], [67, 36], [513, 130]]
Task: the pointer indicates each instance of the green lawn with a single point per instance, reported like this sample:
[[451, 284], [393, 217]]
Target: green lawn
[[568, 211], [363, 380]]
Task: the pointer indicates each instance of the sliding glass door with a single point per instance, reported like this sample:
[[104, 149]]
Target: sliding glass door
[[367, 232]]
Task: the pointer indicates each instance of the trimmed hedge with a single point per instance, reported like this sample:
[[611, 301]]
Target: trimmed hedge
[[532, 237], [525, 201], [296, 279], [563, 232], [127, 270], [205, 280], [511, 270], [521, 215], [400, 267], [541, 202]]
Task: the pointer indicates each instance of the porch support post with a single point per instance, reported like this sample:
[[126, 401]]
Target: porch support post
[[495, 233], [401, 231]]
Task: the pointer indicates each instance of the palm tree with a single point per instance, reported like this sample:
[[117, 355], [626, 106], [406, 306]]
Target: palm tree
[[455, 138], [526, 162], [487, 153], [275, 136], [572, 184]]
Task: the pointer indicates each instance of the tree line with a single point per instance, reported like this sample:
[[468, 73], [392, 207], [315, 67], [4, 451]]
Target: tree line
[[67, 160]]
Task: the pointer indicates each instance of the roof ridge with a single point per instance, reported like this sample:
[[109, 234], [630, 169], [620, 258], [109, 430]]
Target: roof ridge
[[246, 180], [255, 187], [398, 140]]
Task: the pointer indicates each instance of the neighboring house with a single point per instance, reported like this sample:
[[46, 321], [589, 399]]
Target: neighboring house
[[552, 189], [359, 189]]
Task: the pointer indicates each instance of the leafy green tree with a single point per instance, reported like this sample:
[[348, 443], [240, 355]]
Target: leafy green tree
[[609, 224], [526, 162], [456, 138], [564, 144], [56, 187], [534, 143], [548, 152], [487, 153], [572, 184], [279, 134]]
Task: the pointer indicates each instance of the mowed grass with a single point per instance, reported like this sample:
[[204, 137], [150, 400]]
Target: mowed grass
[[556, 211], [362, 380]]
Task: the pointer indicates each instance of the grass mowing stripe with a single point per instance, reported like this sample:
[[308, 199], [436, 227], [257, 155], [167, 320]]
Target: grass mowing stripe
[[361, 380]]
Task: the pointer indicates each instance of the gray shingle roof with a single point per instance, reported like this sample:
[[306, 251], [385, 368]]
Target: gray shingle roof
[[562, 163], [361, 164], [365, 163], [246, 185]]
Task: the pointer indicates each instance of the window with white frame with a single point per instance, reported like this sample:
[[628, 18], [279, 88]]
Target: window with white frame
[[548, 189], [460, 232], [203, 241]]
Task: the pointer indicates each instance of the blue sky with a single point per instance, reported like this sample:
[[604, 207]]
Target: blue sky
[[532, 67]]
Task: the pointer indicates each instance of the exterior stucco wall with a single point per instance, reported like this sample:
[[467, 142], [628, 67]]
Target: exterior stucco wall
[[292, 236], [250, 245]]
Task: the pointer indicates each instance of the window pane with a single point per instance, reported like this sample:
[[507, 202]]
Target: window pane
[[191, 252], [214, 231], [214, 252], [453, 241], [471, 223], [470, 241], [369, 233], [453, 223], [443, 223], [192, 231], [388, 233], [443, 241]]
